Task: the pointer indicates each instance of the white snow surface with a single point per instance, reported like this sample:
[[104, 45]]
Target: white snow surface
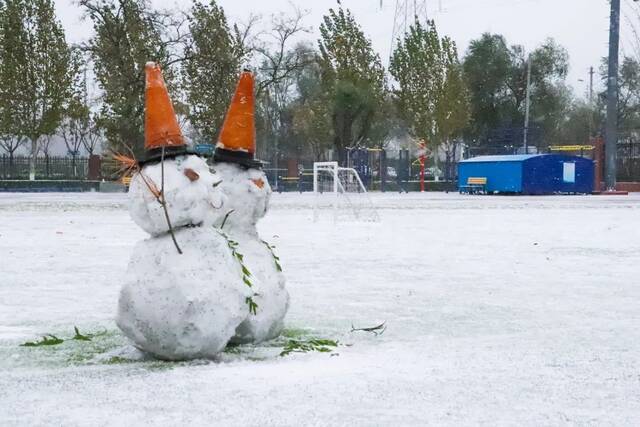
[[188, 202], [182, 306], [247, 194], [499, 311]]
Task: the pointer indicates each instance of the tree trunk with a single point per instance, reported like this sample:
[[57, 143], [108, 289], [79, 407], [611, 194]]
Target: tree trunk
[[436, 163], [32, 159]]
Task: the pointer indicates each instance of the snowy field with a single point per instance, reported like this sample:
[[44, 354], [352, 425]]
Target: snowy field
[[499, 310]]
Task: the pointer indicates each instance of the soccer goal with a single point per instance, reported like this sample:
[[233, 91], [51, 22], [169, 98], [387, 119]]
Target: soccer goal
[[341, 191]]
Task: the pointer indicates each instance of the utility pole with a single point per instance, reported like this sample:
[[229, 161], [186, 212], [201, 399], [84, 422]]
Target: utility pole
[[527, 106], [591, 72], [612, 98], [591, 118]]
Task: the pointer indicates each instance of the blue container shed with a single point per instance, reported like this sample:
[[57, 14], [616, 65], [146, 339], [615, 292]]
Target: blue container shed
[[529, 173]]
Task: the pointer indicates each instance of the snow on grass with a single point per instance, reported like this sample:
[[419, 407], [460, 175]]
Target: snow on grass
[[499, 310]]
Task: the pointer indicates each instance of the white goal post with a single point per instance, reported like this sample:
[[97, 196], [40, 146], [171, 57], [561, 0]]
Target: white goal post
[[344, 191]]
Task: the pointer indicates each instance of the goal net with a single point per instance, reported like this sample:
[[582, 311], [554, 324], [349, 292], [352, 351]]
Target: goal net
[[340, 191]]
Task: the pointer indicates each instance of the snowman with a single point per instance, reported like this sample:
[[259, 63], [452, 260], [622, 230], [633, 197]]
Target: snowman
[[183, 295], [247, 194]]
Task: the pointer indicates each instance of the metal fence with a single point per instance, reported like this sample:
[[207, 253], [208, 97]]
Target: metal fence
[[54, 168], [628, 166], [377, 168]]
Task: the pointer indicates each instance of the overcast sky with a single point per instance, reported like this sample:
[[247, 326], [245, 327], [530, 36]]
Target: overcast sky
[[581, 26]]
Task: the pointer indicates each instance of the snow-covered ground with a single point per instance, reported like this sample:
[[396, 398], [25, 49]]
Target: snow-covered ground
[[499, 310]]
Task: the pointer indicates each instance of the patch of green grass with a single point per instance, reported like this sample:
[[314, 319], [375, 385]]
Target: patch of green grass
[[84, 351], [295, 333], [115, 360], [102, 348], [233, 349]]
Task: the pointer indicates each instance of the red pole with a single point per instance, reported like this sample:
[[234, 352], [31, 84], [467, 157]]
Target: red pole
[[423, 148]]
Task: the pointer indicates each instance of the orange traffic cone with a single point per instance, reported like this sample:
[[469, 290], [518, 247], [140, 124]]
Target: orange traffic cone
[[237, 140], [161, 129]]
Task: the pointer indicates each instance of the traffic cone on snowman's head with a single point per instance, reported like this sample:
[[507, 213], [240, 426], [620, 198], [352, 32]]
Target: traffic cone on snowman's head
[[162, 133], [237, 140]]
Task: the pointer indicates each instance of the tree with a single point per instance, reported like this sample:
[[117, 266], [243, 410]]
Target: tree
[[42, 64], [452, 111], [629, 93], [488, 68], [128, 34], [431, 94], [213, 57], [76, 123], [582, 121], [94, 134], [352, 77], [550, 96], [44, 147], [280, 63], [497, 81], [13, 54], [311, 121]]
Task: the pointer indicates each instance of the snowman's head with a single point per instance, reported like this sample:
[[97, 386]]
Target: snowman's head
[[190, 189], [247, 193]]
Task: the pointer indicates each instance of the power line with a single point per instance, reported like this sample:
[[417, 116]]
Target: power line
[[407, 12]]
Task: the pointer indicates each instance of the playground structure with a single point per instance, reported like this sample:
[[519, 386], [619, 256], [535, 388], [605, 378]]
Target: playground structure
[[379, 170]]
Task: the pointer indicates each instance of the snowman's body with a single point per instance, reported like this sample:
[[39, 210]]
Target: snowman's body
[[181, 306], [247, 194]]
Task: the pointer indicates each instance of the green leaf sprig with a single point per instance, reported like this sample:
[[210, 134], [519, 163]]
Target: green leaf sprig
[[305, 346], [50, 339], [246, 274], [276, 258]]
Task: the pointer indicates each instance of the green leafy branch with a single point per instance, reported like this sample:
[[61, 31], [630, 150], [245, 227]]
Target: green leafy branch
[[49, 339], [276, 259], [45, 341], [80, 337], [305, 346], [246, 274]]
